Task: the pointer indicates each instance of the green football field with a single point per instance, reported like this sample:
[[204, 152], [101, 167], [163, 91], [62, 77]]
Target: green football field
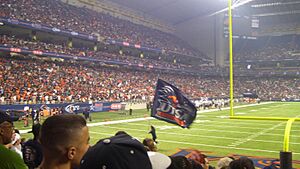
[[212, 131]]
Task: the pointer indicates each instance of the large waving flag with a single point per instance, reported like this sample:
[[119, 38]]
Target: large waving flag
[[171, 105]]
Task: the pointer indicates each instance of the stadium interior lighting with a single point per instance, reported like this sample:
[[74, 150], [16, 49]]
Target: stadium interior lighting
[[1, 23], [274, 4], [236, 4], [278, 13], [265, 5]]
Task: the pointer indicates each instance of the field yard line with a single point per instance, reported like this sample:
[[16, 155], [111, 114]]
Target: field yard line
[[227, 108], [151, 118], [251, 137], [119, 121], [106, 123], [244, 122], [193, 135], [224, 131], [205, 136], [242, 132], [208, 145], [214, 125], [223, 147]]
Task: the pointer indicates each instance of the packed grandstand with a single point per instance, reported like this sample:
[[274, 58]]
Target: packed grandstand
[[53, 52]]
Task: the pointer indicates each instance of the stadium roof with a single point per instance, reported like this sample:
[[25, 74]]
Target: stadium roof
[[174, 11]]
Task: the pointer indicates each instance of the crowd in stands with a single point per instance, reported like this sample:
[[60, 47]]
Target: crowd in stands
[[24, 79], [11, 41], [63, 16], [34, 80], [269, 49], [39, 81]]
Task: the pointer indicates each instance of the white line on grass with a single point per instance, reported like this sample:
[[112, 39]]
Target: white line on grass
[[151, 118], [162, 132], [227, 108], [240, 113], [120, 121], [257, 128], [223, 147], [228, 131], [251, 137], [205, 136], [207, 145], [190, 135], [244, 122]]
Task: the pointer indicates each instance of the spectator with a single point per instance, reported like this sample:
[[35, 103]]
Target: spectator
[[64, 140], [199, 159], [122, 152], [32, 149], [149, 144], [8, 158], [242, 163], [79, 82], [80, 19], [181, 162], [16, 144], [224, 162], [153, 133]]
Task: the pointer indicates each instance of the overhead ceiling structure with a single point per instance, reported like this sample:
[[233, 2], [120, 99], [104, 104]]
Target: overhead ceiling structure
[[174, 12], [275, 7], [195, 21]]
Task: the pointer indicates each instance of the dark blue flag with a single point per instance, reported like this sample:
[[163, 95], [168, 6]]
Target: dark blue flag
[[171, 105]]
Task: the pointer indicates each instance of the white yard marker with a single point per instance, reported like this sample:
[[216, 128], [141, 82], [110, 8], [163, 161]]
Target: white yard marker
[[240, 113]]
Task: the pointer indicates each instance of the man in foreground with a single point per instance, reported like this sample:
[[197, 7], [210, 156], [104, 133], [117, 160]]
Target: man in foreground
[[64, 140]]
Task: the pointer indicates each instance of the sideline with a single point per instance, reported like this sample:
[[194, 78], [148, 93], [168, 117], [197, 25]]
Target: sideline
[[151, 118]]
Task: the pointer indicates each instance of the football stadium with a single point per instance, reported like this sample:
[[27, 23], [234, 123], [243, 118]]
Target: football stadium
[[161, 84]]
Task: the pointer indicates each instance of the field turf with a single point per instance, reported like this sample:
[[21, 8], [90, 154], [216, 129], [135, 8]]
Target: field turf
[[212, 131]]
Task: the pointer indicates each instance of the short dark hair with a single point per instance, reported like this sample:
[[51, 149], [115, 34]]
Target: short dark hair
[[58, 132], [242, 162], [149, 144], [120, 132]]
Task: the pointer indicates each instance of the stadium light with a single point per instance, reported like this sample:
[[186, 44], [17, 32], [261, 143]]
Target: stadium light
[[236, 4], [1, 23], [274, 4]]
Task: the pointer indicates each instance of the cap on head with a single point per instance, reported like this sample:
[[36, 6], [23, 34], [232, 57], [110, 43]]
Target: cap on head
[[223, 163], [181, 162], [118, 152], [6, 117], [16, 138], [242, 162], [159, 160]]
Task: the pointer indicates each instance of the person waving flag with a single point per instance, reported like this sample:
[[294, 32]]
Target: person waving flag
[[171, 105]]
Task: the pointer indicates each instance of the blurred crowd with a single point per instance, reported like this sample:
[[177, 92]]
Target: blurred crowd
[[271, 48], [27, 80], [63, 16], [11, 41]]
